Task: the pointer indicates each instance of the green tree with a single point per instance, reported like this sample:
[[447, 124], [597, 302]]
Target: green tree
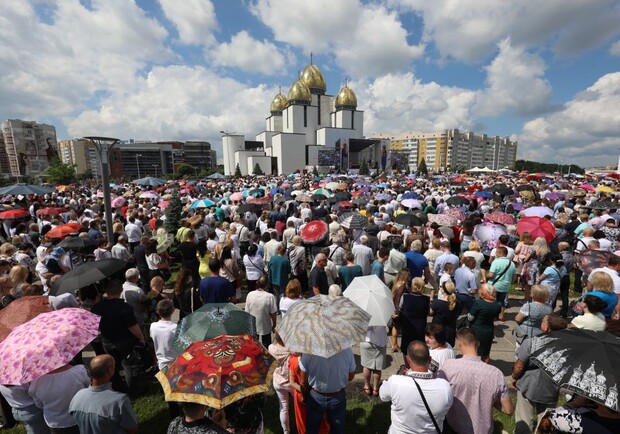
[[422, 169], [238, 171], [257, 170], [364, 168], [60, 173], [185, 170], [173, 213]]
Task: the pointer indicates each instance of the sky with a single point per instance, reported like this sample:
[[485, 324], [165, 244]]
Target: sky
[[545, 73]]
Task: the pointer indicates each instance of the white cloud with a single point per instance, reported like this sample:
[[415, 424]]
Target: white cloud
[[586, 131], [250, 55], [163, 106], [400, 102], [515, 83], [365, 39], [468, 30], [50, 69], [194, 20], [614, 50]]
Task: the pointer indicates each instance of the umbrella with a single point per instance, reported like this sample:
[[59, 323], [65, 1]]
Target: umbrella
[[216, 176], [50, 211], [457, 201], [604, 189], [409, 195], [371, 294], [164, 241], [443, 219], [407, 219], [526, 187], [46, 342], [236, 196], [343, 195], [64, 188], [501, 189], [303, 198], [593, 374], [501, 218], [537, 211], [554, 195], [592, 259], [318, 197], [578, 192], [420, 214], [64, 230], [313, 232], [118, 202], [257, 192], [359, 201], [218, 372], [245, 207], [163, 204], [604, 204], [149, 181], [323, 326], [587, 187], [20, 311], [149, 195], [323, 191], [14, 214], [411, 203], [25, 189], [211, 320], [487, 234], [260, 200], [202, 203], [537, 227], [483, 194], [383, 196], [332, 186], [527, 194], [87, 274], [345, 204], [73, 242], [353, 220]]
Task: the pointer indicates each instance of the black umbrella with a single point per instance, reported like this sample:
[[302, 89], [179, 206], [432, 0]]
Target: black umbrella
[[318, 197], [408, 220], [593, 374], [25, 189], [421, 215], [360, 201], [502, 189], [604, 204], [525, 187], [76, 243], [87, 274], [458, 201], [149, 181], [342, 196]]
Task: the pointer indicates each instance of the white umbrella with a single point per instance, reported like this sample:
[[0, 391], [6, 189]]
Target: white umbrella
[[537, 211], [411, 203], [371, 294]]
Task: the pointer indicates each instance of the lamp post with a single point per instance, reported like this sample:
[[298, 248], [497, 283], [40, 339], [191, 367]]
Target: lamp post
[[155, 166], [138, 164], [103, 146]]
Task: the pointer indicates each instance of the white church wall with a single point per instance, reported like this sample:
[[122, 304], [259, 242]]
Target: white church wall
[[263, 162], [329, 136], [241, 158], [230, 145], [290, 149]]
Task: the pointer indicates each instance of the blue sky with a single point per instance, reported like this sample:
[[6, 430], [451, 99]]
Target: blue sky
[[544, 73]]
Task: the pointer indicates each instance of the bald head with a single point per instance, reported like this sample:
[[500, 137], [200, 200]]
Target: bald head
[[321, 260], [102, 368]]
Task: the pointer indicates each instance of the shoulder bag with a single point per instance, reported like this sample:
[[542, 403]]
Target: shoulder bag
[[428, 409], [499, 276]]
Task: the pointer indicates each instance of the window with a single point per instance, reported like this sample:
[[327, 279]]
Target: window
[[305, 116]]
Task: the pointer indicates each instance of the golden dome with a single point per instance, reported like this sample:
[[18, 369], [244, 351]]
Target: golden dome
[[346, 99], [313, 78], [278, 104], [299, 93]]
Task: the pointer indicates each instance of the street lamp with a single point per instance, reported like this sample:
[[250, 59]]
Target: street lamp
[[138, 164], [155, 166]]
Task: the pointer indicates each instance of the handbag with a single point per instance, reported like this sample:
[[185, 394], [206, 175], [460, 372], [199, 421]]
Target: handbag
[[518, 332], [165, 273], [463, 323], [428, 409]]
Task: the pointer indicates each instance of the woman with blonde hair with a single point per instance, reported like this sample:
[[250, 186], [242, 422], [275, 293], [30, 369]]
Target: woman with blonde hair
[[532, 263], [292, 295], [603, 287], [475, 252], [482, 317], [19, 275], [399, 287], [445, 310], [117, 231], [414, 308]]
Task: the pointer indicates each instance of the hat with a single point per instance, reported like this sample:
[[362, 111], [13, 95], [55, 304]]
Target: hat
[[58, 252]]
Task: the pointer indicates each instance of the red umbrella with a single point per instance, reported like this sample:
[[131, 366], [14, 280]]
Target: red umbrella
[[583, 186], [501, 218], [64, 230], [345, 204], [537, 227], [50, 211], [14, 214], [533, 178], [314, 231], [260, 200]]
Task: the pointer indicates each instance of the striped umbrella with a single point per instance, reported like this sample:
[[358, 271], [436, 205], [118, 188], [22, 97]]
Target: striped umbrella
[[202, 203], [353, 220]]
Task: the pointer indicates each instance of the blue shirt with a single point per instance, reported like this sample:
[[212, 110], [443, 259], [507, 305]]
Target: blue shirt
[[100, 410], [465, 280], [610, 298], [216, 289], [416, 262], [442, 260], [328, 375], [377, 269]]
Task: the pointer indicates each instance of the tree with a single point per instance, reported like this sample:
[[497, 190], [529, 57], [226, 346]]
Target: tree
[[238, 171], [185, 170], [364, 168], [257, 170], [422, 169], [60, 173], [173, 213]]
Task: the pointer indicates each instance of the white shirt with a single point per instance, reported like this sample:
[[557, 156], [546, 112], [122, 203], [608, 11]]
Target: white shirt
[[286, 303], [261, 305], [254, 266], [510, 255], [408, 413], [120, 252], [134, 233], [612, 273], [162, 333], [440, 355], [134, 296]]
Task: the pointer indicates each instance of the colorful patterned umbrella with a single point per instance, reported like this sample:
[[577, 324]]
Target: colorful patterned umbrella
[[591, 259], [210, 321], [20, 311], [236, 196], [353, 220], [149, 195], [442, 219], [118, 202], [303, 198], [218, 372], [203, 203], [64, 230], [487, 234], [323, 191], [537, 227], [46, 342], [501, 218], [578, 192], [323, 325], [314, 231], [455, 212]]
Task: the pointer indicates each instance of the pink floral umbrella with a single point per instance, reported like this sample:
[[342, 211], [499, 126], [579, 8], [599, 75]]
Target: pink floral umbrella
[[236, 196], [45, 343], [501, 218]]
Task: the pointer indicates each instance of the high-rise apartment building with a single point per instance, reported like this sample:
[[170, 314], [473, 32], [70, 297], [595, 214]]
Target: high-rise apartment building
[[29, 147]]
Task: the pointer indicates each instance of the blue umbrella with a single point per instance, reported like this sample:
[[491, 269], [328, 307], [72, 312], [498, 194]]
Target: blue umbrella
[[276, 190], [149, 181], [484, 194], [203, 203], [409, 195]]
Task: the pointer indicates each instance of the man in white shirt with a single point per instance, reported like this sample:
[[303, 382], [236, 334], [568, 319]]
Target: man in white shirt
[[262, 306], [134, 233], [289, 233], [363, 255], [271, 247], [612, 269], [120, 250], [162, 333], [134, 295], [395, 262], [409, 414]]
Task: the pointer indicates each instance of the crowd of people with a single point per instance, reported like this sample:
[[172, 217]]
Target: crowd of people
[[253, 250]]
